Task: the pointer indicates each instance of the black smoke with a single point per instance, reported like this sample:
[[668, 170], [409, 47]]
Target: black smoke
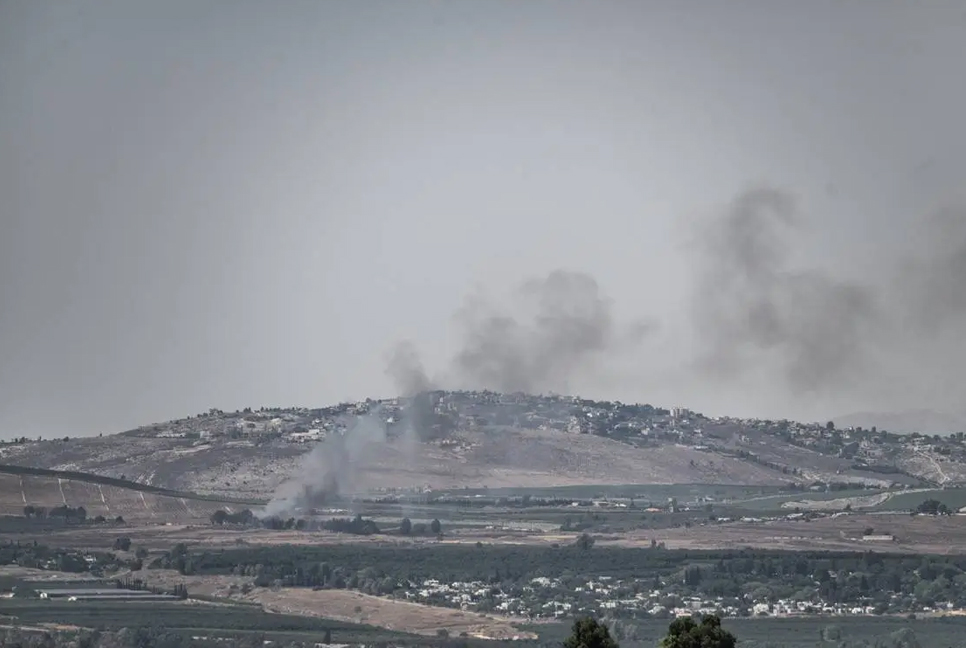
[[752, 308]]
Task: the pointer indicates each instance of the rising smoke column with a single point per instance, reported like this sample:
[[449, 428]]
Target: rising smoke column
[[539, 339], [931, 283], [927, 298], [750, 307], [413, 384], [406, 370], [336, 465], [332, 467], [752, 311], [550, 330]]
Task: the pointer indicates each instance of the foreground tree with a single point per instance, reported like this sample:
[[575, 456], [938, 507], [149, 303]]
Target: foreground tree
[[589, 633], [685, 632]]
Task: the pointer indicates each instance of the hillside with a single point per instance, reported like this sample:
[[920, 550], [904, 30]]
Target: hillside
[[482, 439], [107, 498]]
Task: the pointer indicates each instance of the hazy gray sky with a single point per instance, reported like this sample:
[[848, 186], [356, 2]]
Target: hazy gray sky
[[223, 204]]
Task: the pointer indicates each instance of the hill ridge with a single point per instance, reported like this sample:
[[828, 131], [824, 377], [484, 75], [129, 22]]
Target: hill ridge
[[449, 439]]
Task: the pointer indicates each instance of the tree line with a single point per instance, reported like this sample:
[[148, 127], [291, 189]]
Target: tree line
[[357, 525], [38, 556], [891, 582]]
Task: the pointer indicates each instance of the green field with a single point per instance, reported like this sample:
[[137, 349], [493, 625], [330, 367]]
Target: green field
[[733, 502], [727, 502], [954, 498], [388, 516], [773, 503], [194, 617], [654, 492]]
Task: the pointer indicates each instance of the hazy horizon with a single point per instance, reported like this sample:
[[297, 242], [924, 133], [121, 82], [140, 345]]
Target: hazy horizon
[[745, 208]]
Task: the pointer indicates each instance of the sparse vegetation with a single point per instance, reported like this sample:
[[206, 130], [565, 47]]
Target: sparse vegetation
[[38, 556], [932, 507]]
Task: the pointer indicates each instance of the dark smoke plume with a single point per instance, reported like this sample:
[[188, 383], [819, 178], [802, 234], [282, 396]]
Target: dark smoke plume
[[406, 370], [540, 339], [752, 307], [753, 310], [552, 329], [331, 469], [933, 281], [414, 385]]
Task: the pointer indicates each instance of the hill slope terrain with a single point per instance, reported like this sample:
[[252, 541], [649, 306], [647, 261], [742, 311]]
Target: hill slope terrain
[[22, 491], [481, 439]]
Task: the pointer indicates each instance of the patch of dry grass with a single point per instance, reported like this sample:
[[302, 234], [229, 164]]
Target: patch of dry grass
[[346, 605], [402, 616]]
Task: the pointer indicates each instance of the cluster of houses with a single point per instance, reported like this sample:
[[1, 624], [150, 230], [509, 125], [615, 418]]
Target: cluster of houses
[[547, 598], [464, 409]]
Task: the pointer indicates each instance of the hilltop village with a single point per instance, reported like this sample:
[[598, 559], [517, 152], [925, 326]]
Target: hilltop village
[[876, 458]]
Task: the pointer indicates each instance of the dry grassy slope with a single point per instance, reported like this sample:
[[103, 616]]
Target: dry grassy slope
[[492, 458], [109, 501], [545, 456], [347, 605], [135, 458], [934, 467], [814, 465], [233, 467]]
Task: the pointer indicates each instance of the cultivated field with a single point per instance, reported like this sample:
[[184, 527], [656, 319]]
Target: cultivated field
[[18, 491], [191, 617], [919, 534]]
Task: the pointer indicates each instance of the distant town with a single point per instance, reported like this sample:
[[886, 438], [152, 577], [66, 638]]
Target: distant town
[[873, 457]]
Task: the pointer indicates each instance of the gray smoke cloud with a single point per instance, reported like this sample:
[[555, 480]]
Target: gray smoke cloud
[[932, 282], [331, 469], [406, 369], [336, 466], [754, 311], [751, 308], [538, 338], [551, 328]]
